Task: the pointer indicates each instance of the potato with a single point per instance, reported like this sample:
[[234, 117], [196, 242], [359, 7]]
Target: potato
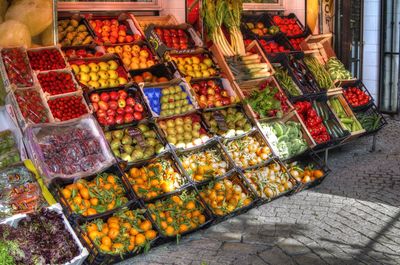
[[14, 33]]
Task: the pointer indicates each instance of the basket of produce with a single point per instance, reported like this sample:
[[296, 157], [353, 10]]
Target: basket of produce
[[185, 131], [134, 56], [321, 123], [250, 150], [229, 196], [48, 228], [265, 100], [135, 143], [107, 71], [180, 38], [57, 82], [180, 214], [371, 120], [145, 21], [8, 122], [115, 107], [67, 107], [338, 71], [46, 59], [19, 191], [68, 150], [170, 99], [119, 236], [308, 170], [156, 178], [205, 163], [94, 196], [270, 181], [115, 29], [71, 53], [288, 137], [296, 42], [74, 31], [259, 26], [228, 122], [287, 82], [321, 75], [278, 44], [290, 25], [198, 64], [15, 68], [357, 95], [345, 116], [9, 153], [159, 74], [214, 93]]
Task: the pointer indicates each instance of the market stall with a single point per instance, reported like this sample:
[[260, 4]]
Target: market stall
[[144, 132]]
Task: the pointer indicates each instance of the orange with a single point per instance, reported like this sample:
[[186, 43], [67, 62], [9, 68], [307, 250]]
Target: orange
[[170, 231], [183, 228], [77, 200], [84, 193], [190, 205], [94, 234], [133, 232], [134, 172], [145, 225], [117, 247], [71, 187], [140, 239], [106, 241], [150, 235], [91, 211], [66, 193], [113, 233], [107, 186], [111, 179], [94, 201], [127, 226], [114, 225], [105, 248]]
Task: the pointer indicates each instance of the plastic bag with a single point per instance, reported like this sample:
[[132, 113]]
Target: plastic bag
[[17, 66]]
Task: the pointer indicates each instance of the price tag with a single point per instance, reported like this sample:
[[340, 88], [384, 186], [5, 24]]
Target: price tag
[[220, 119], [137, 134]]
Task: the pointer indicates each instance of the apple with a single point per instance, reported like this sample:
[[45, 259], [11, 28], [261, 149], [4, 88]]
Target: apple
[[122, 80], [82, 76], [103, 74], [93, 76], [104, 83], [129, 109], [95, 97], [138, 116], [128, 117], [111, 112], [122, 94], [101, 113], [102, 120], [95, 106], [93, 84], [121, 103], [84, 68], [130, 101], [113, 82], [119, 119], [120, 111], [103, 66], [113, 65], [138, 107], [103, 105], [75, 68], [110, 120], [113, 105], [104, 96], [114, 95], [94, 67]]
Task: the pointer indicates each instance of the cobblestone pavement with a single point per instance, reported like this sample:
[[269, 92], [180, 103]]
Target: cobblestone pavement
[[353, 217]]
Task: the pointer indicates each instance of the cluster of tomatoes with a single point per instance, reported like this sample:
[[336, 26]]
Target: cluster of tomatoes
[[46, 59], [288, 26], [67, 108], [356, 97], [56, 83]]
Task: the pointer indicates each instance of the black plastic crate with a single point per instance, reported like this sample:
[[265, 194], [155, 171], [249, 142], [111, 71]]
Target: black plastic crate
[[169, 156], [306, 30], [372, 110], [99, 257], [212, 145], [167, 70], [235, 178], [280, 40], [260, 185], [58, 184], [359, 84], [254, 19], [82, 21]]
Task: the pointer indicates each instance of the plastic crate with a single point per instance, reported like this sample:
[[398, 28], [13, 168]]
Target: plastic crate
[[359, 84], [372, 110]]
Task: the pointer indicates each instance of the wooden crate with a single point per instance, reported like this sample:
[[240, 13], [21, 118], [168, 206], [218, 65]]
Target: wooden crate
[[145, 21], [253, 47], [350, 114], [320, 44]]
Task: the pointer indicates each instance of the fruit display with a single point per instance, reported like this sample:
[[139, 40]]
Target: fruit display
[[72, 32], [173, 38], [44, 59], [356, 97], [248, 67], [135, 143], [226, 196], [178, 214], [287, 25], [134, 56], [57, 82], [320, 74], [196, 65], [31, 105], [227, 122], [113, 31], [347, 118], [16, 63], [371, 121], [169, 101], [81, 52], [117, 107], [313, 121], [184, 132], [286, 139], [261, 30], [20, 193], [100, 74], [9, 153], [273, 46], [155, 178], [286, 81], [205, 164], [308, 84], [213, 94], [295, 42], [103, 193], [71, 151], [124, 232], [249, 151], [45, 227], [270, 181], [305, 174], [337, 70], [149, 77], [67, 108]]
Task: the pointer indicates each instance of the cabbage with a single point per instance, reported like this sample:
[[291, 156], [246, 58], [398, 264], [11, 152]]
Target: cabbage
[[14, 33], [37, 15]]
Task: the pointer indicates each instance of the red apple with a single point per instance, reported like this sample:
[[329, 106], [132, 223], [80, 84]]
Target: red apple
[[107, 22], [139, 107], [94, 97], [121, 103], [122, 94], [95, 106], [101, 113], [113, 40], [121, 39], [102, 120], [103, 105], [128, 118], [138, 116], [130, 101], [105, 96], [120, 111], [129, 109], [114, 95], [113, 105], [119, 119], [114, 22], [110, 112], [110, 120], [129, 38], [122, 27]]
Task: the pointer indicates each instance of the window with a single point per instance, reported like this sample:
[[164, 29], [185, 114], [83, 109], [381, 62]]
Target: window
[[263, 4]]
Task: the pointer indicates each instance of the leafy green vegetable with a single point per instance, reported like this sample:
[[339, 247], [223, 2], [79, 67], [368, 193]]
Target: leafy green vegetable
[[265, 103]]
